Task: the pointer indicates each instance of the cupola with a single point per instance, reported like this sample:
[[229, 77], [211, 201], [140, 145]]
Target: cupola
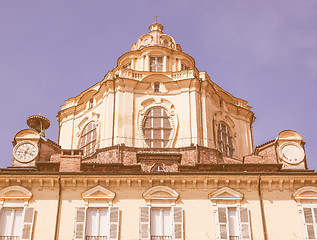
[[156, 27]]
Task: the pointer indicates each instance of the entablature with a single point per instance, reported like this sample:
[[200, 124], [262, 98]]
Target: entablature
[[245, 182]]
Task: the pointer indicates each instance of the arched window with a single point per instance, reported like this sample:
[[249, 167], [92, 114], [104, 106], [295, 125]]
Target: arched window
[[225, 140], [157, 127], [87, 141]]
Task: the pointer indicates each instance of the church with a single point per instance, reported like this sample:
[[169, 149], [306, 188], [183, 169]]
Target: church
[[156, 151]]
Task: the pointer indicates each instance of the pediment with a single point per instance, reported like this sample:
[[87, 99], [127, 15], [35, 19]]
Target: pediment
[[305, 193], [98, 193], [220, 116], [160, 193], [226, 193], [15, 192]]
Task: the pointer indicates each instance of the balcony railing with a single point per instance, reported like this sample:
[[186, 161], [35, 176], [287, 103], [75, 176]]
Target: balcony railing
[[10, 237], [161, 237], [96, 238], [234, 238]]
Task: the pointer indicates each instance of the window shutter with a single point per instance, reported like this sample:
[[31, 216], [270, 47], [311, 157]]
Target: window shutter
[[178, 223], [113, 223], [80, 223], [244, 223], [309, 222], [28, 218], [145, 223], [222, 221]]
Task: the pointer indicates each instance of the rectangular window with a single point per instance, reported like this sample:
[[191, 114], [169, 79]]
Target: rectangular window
[[310, 221], [233, 223], [16, 223], [161, 223], [184, 67], [156, 64], [11, 222], [97, 223], [157, 87]]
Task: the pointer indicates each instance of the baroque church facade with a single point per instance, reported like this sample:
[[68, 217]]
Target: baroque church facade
[[156, 151]]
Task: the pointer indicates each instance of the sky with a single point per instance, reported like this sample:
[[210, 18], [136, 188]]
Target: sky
[[264, 52]]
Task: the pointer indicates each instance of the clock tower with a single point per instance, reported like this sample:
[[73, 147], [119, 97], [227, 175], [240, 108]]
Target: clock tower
[[290, 149]]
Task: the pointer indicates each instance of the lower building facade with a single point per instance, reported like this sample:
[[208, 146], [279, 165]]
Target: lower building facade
[[158, 206]]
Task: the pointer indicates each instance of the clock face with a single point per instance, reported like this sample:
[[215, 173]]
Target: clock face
[[292, 153], [25, 151]]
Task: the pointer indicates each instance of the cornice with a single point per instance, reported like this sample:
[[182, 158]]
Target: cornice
[[209, 182]]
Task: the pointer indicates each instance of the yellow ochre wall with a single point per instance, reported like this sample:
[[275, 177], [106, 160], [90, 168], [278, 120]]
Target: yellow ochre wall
[[283, 219]]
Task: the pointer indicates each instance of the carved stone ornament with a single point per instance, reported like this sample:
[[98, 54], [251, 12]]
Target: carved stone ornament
[[161, 194], [99, 193]]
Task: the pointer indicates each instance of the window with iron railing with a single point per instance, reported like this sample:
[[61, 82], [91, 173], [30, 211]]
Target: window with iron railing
[[96, 224], [233, 223], [161, 223], [92, 223]]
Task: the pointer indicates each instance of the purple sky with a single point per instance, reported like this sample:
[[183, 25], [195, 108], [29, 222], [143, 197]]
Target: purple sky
[[262, 51]]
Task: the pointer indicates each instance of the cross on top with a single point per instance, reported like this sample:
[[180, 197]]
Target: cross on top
[[156, 18]]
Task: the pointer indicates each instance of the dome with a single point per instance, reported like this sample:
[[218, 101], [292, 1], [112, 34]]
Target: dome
[[156, 37]]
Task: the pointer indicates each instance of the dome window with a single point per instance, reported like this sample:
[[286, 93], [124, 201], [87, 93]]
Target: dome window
[[156, 87], [158, 168], [157, 127], [184, 67], [87, 141], [91, 103], [225, 140], [156, 64]]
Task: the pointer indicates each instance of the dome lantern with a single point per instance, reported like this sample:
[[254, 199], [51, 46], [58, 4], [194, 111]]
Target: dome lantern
[[156, 27]]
